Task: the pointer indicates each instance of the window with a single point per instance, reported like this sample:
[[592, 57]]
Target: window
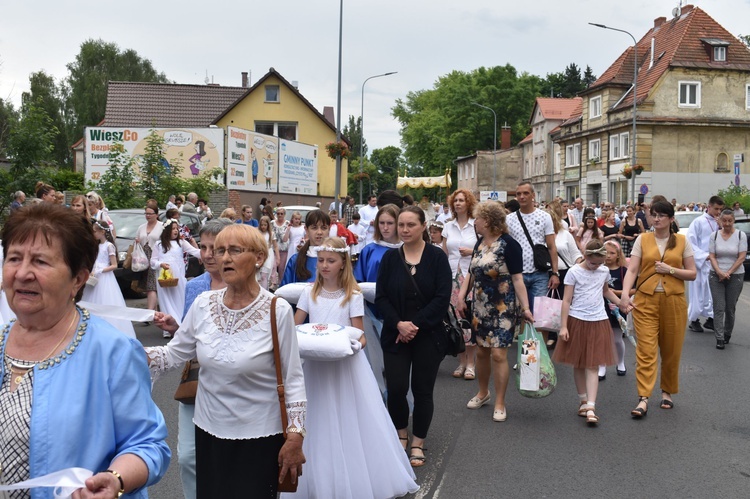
[[272, 93], [619, 145], [557, 161], [573, 155], [747, 96], [722, 162], [690, 94], [720, 54], [472, 170], [460, 168], [595, 150], [283, 130], [595, 107]]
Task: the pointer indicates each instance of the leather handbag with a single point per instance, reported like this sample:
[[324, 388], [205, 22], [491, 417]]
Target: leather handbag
[[286, 485], [188, 386], [128, 258], [454, 335]]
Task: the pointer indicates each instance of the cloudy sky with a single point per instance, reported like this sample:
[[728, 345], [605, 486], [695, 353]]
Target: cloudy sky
[[421, 39]]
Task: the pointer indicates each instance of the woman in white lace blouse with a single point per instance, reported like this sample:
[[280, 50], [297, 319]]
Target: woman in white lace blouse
[[239, 441]]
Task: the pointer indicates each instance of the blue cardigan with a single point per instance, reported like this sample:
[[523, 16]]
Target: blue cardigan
[[93, 405]]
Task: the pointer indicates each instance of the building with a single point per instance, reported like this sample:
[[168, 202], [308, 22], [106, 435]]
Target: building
[[693, 116], [539, 150], [476, 172], [272, 106]]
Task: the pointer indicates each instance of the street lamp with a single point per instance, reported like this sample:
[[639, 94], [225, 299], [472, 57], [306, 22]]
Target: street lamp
[[635, 99], [337, 184], [362, 130], [494, 146]]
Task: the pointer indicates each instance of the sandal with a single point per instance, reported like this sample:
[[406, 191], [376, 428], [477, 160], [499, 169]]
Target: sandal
[[665, 402], [414, 460], [591, 417], [459, 372], [640, 412], [583, 408], [470, 373]]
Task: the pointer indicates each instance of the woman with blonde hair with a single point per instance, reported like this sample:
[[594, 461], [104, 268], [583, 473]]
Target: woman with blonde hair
[[497, 271], [79, 204], [98, 210], [45, 192], [459, 239], [617, 265]]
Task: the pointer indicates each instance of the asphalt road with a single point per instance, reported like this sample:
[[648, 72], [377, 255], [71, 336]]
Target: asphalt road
[[699, 449]]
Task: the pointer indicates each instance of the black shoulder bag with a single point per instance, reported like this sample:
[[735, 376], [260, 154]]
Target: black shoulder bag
[[453, 333], [542, 260]]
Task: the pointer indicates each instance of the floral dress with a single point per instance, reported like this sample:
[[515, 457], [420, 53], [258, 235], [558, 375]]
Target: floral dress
[[495, 312]]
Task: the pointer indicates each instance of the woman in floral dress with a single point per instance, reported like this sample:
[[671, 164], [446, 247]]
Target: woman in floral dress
[[496, 270]]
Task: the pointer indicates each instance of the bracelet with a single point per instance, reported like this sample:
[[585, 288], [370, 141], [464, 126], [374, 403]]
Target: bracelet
[[119, 478]]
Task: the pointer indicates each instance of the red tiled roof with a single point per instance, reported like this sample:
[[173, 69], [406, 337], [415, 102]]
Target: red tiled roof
[[527, 138], [557, 108], [575, 115], [677, 43], [167, 104]]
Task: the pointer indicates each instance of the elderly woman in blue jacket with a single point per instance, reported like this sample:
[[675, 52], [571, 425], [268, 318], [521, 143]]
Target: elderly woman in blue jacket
[[75, 392]]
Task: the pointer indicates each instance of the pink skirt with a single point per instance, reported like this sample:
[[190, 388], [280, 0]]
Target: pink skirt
[[589, 344]]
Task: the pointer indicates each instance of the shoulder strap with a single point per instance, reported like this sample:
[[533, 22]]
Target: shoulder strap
[[277, 361], [525, 230], [408, 273]]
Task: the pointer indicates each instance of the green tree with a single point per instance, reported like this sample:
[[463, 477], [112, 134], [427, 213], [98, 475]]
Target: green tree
[[31, 141], [588, 76], [50, 96], [388, 161], [8, 120], [152, 167], [117, 184], [568, 83], [441, 124], [353, 132], [745, 39], [97, 63]]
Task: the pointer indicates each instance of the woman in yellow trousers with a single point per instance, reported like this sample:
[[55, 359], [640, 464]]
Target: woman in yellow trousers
[[661, 261]]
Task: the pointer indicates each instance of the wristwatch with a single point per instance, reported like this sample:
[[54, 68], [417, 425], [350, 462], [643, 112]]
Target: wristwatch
[[294, 429], [552, 272], [671, 270]]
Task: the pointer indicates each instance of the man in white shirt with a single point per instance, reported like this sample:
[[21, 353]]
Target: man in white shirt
[[367, 214], [699, 293], [539, 224], [359, 230], [444, 215], [171, 204], [738, 211], [577, 211]]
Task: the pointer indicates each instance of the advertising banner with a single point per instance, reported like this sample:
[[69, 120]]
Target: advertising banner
[[253, 160], [298, 168], [196, 149]]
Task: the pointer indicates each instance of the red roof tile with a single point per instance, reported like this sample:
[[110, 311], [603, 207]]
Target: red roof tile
[[557, 108], [677, 43]]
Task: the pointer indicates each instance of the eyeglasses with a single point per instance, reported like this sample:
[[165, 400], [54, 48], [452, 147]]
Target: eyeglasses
[[232, 250]]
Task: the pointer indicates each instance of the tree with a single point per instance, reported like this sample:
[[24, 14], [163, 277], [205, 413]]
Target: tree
[[96, 64], [745, 39], [441, 124], [353, 132], [588, 76], [567, 83], [388, 161], [8, 120], [51, 97], [31, 141], [117, 184]]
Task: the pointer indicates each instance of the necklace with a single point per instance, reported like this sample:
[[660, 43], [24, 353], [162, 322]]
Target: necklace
[[412, 267], [25, 366]]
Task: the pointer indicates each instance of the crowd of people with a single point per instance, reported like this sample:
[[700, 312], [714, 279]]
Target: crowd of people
[[487, 260]]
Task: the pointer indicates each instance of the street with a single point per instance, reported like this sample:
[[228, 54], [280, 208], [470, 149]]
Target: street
[[698, 449]]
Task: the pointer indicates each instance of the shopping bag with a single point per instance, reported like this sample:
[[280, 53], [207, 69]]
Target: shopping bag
[[535, 368], [548, 312], [139, 260]]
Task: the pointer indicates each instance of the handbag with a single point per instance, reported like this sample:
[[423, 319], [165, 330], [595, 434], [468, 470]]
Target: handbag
[[128, 258], [454, 335], [542, 260], [531, 351], [548, 311], [286, 485], [188, 386], [139, 260]]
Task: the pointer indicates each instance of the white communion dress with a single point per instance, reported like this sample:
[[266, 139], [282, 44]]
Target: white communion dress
[[352, 447], [172, 299]]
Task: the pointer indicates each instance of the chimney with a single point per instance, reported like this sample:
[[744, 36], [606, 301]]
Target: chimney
[[244, 79], [505, 138], [659, 21], [295, 84]]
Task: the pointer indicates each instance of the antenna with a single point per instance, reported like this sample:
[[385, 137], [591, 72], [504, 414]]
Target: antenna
[[206, 80], [677, 11]]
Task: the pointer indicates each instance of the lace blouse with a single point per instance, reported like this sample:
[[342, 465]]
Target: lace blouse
[[237, 396]]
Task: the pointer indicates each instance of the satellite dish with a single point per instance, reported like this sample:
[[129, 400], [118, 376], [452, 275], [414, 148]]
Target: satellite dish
[[676, 12]]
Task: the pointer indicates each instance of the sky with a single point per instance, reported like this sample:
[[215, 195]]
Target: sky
[[420, 39]]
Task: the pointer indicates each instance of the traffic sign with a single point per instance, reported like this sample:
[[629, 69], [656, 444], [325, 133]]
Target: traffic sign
[[493, 196], [644, 189]]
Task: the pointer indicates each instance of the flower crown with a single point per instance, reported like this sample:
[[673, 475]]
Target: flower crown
[[318, 249], [104, 227]]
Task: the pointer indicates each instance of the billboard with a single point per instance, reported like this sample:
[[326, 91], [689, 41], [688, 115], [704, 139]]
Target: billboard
[[298, 168], [197, 149], [252, 161]]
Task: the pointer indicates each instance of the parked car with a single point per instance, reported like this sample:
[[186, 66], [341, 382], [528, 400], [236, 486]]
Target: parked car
[[743, 223], [683, 219], [127, 223], [303, 210]]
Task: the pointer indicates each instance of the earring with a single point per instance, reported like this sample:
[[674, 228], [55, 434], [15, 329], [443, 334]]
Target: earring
[[257, 265]]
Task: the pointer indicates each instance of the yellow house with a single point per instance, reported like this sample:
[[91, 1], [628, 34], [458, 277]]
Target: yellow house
[[274, 106]]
